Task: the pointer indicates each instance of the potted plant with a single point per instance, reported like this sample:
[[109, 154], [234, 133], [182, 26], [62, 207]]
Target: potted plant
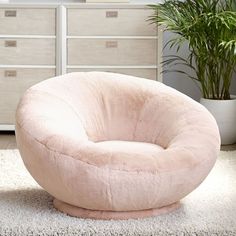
[[209, 28]]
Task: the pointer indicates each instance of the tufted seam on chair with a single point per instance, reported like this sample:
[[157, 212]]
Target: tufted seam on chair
[[140, 113]]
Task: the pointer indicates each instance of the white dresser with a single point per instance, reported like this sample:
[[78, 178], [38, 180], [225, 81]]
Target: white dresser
[[41, 39]]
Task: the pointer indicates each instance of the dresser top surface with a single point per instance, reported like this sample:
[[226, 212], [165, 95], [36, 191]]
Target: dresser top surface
[[72, 2]]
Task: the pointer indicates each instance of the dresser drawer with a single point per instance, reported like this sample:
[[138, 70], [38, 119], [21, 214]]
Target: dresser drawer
[[13, 83], [27, 21], [121, 22], [112, 52], [143, 73], [27, 51]]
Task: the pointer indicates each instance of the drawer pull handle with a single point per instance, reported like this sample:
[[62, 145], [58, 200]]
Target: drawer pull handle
[[111, 44], [10, 13], [10, 73], [11, 43], [111, 14]]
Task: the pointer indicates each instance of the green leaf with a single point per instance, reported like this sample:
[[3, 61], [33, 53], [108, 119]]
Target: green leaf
[[209, 27]]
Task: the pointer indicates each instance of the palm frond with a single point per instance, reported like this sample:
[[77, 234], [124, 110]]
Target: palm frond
[[209, 28]]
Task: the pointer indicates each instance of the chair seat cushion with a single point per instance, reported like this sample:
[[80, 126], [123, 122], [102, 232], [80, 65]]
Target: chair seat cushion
[[130, 148]]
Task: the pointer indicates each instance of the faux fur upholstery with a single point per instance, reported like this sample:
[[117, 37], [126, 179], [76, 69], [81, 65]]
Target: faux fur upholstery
[[112, 142]]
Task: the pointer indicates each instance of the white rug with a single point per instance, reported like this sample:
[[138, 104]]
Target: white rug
[[26, 209]]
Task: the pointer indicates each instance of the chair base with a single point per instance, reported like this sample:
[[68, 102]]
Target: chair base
[[111, 215]]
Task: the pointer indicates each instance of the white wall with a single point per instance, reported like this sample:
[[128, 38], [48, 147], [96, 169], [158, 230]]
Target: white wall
[[181, 82]]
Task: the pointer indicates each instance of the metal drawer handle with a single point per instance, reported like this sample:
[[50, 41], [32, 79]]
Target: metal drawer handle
[[10, 73], [111, 44], [10, 13], [111, 14], [11, 43]]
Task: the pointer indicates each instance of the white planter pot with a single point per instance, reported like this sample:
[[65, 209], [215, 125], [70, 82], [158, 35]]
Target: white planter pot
[[224, 112]]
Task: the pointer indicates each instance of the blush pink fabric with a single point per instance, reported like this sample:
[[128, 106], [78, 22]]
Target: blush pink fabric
[[111, 142]]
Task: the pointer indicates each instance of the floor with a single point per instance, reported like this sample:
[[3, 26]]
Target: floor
[[8, 141], [34, 214]]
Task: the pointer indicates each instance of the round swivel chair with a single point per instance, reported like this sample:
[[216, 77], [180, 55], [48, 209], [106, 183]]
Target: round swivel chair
[[112, 146]]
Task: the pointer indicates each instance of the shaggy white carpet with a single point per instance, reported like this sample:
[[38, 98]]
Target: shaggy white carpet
[[26, 209]]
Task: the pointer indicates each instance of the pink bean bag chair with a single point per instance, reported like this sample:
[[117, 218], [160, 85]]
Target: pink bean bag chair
[[112, 146]]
